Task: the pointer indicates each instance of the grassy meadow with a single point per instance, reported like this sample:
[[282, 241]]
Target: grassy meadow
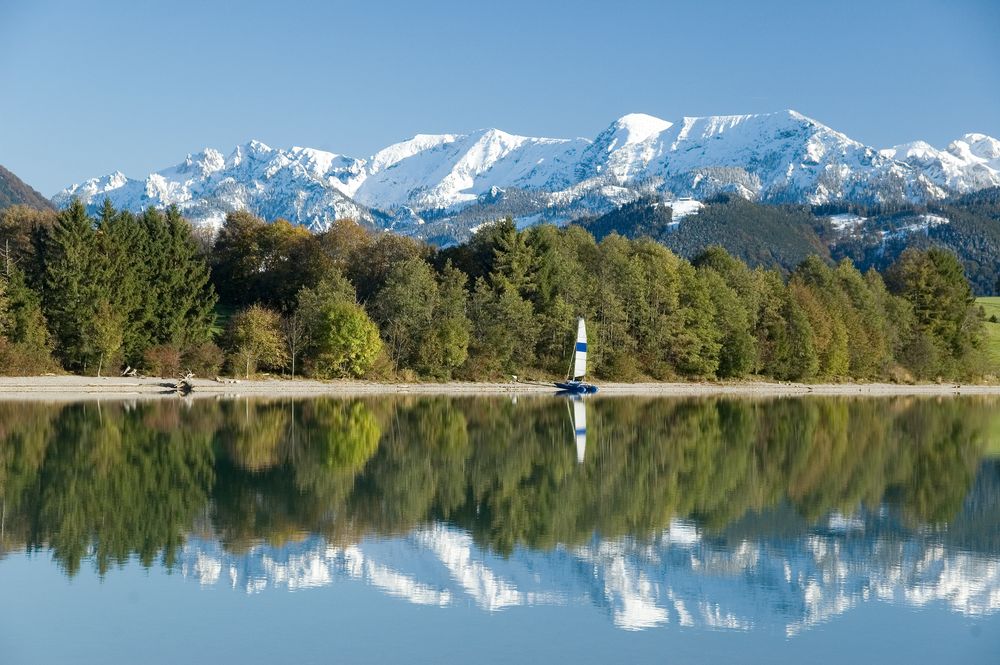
[[992, 307]]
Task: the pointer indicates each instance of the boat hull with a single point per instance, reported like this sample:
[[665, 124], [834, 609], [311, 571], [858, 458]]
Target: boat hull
[[576, 387]]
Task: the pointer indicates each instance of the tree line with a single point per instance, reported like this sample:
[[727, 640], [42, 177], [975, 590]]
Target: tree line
[[95, 295]]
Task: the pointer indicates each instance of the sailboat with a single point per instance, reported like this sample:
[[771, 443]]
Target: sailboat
[[575, 382]]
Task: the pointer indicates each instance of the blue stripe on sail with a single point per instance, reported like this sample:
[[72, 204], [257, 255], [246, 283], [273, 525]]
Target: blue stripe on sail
[[581, 432], [581, 347]]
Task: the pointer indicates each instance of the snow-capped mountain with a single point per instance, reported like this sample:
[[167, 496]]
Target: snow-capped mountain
[[970, 163], [302, 185], [776, 157]]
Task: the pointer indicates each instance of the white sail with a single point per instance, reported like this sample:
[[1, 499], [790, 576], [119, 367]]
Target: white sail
[[580, 428], [580, 352]]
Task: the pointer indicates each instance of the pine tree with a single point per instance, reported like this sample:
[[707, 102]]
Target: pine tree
[[69, 294], [27, 323], [186, 296], [934, 284], [120, 273]]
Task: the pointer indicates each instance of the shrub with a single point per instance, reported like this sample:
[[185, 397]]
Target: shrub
[[203, 360], [162, 360], [18, 359]]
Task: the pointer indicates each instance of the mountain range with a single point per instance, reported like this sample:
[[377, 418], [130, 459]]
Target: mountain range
[[443, 185]]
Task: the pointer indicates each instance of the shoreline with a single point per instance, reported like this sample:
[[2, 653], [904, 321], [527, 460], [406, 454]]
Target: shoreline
[[71, 388]]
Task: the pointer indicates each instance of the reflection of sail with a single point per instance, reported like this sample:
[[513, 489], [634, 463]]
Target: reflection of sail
[[580, 428]]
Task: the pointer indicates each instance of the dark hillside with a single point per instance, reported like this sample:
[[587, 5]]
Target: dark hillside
[[14, 191]]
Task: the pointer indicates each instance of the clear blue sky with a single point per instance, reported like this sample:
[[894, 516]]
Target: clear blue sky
[[90, 87]]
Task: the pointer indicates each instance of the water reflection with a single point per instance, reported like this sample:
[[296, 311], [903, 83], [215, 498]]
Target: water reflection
[[701, 512]]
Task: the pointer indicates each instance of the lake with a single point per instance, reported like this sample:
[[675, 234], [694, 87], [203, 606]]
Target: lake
[[496, 530]]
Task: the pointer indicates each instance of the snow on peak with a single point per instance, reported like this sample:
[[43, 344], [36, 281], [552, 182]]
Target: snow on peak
[[977, 149], [638, 127], [911, 150], [397, 152], [205, 162], [115, 180], [983, 146], [968, 164]]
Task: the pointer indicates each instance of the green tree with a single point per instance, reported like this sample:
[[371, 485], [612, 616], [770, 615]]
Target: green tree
[[122, 279], [404, 309], [70, 292], [255, 340], [504, 332], [738, 351], [181, 296], [105, 334], [448, 345], [342, 339], [944, 308], [23, 333]]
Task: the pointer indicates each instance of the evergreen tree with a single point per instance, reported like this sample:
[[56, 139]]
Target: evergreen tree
[[237, 259], [70, 292], [944, 309], [185, 306], [562, 289], [504, 332], [122, 275], [27, 323]]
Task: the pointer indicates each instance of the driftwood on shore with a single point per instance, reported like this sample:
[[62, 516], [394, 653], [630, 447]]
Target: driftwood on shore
[[185, 384]]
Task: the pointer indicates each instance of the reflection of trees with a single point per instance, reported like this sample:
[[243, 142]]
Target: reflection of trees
[[508, 472], [312, 461], [116, 481], [108, 484]]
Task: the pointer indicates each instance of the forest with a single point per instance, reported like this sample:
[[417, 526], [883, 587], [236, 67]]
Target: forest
[[784, 235], [117, 291]]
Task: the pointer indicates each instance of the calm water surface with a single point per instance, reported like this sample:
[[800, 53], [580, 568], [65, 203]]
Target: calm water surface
[[434, 529]]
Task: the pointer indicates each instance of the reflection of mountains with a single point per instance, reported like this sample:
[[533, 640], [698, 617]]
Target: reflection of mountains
[[679, 577]]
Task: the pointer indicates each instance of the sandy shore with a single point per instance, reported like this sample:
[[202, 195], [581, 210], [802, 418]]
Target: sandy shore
[[61, 388]]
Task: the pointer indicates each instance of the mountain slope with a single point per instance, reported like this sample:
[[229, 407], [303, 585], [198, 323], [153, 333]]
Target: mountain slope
[[14, 191], [769, 235], [443, 185]]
